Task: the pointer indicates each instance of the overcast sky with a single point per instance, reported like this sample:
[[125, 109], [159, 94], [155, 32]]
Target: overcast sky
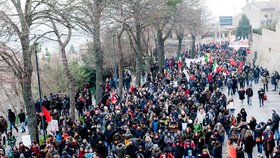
[[226, 7]]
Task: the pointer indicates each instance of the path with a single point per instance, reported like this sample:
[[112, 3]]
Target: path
[[260, 113]]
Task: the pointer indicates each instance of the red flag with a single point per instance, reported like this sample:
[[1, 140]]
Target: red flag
[[113, 98], [47, 114], [210, 59], [179, 65], [248, 51], [131, 88], [233, 62], [240, 66]]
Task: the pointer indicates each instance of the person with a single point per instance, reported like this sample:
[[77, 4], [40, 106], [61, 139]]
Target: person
[[12, 120], [21, 117], [249, 143], [249, 94], [261, 94], [241, 94], [11, 140], [258, 138], [231, 106], [275, 128], [177, 150], [274, 81], [264, 81], [229, 86], [269, 143]]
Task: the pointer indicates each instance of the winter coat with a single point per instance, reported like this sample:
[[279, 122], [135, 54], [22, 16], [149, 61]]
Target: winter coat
[[120, 151], [11, 116], [249, 92], [241, 94], [156, 152], [21, 117], [155, 125], [177, 151], [249, 144]]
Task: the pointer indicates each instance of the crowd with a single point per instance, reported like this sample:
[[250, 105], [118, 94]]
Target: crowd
[[181, 113]]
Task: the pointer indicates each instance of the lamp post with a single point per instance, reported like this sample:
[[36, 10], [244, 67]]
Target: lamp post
[[114, 59], [39, 90]]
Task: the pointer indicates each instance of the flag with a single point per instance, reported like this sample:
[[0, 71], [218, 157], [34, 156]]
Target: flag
[[210, 58], [179, 61], [47, 114], [131, 88], [113, 98], [206, 57], [233, 62], [215, 67], [240, 67]]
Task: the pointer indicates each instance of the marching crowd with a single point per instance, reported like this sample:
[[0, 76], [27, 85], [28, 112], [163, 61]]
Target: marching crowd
[[181, 113]]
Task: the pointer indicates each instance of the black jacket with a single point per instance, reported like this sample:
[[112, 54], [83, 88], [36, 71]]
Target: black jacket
[[11, 116], [21, 117]]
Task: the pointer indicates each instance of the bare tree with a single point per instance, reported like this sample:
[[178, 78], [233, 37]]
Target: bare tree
[[88, 17], [135, 16], [18, 19], [60, 14]]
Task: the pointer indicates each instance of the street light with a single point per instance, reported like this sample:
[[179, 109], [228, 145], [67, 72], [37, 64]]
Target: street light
[[39, 90], [114, 59]]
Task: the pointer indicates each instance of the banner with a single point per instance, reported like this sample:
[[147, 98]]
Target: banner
[[26, 140], [239, 44], [54, 125], [189, 61]]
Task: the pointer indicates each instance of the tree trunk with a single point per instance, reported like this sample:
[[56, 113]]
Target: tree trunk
[[121, 68], [193, 45], [98, 54], [67, 71], [160, 44], [180, 40], [138, 54], [26, 89], [71, 80]]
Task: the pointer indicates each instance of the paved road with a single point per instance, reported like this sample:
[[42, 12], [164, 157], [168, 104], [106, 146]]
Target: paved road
[[260, 113]]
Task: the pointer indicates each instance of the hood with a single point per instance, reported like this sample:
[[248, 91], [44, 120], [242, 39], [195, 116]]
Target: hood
[[120, 147]]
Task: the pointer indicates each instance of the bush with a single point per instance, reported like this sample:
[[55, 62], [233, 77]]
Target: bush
[[258, 31]]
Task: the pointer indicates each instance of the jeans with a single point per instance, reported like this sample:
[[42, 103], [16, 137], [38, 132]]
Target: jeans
[[230, 91], [242, 100], [260, 148], [276, 133], [22, 126], [249, 100], [261, 101], [265, 86], [231, 111], [250, 155], [13, 124], [275, 87]]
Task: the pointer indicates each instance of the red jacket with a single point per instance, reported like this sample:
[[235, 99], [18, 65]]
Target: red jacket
[[168, 155]]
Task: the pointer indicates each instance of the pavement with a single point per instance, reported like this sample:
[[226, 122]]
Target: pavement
[[262, 114]]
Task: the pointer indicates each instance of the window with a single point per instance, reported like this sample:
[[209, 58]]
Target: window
[[225, 34]]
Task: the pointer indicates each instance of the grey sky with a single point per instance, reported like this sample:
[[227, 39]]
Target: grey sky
[[226, 7]]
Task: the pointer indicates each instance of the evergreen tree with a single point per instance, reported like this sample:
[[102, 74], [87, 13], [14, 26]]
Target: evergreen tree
[[244, 28]]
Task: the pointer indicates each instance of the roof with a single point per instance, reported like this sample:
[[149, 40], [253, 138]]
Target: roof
[[262, 5]]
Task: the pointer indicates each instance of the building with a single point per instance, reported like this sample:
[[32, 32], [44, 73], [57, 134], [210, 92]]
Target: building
[[261, 13]]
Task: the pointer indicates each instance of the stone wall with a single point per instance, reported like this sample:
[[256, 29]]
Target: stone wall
[[267, 47]]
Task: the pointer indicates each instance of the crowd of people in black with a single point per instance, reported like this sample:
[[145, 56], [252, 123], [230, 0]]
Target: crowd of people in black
[[181, 113]]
